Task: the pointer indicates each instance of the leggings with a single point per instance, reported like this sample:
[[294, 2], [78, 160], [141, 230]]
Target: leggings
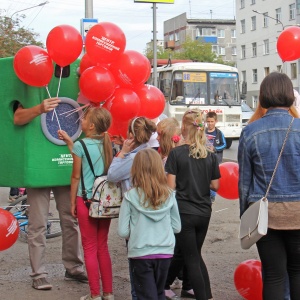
[[94, 235], [279, 252], [190, 241]]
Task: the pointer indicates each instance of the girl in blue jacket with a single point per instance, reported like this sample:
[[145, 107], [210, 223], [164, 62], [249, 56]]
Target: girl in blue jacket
[[149, 218]]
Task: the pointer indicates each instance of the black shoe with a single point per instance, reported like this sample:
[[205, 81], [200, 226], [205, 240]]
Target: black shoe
[[81, 277], [186, 294]]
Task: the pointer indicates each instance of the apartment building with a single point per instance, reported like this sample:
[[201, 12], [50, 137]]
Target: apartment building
[[221, 34], [259, 23]]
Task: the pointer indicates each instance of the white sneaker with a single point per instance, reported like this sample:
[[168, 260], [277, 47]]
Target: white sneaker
[[177, 284], [89, 297]]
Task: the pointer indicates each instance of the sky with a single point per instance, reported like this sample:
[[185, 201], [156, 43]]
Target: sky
[[135, 19]]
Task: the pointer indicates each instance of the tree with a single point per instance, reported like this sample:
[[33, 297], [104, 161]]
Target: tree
[[195, 50], [13, 36]]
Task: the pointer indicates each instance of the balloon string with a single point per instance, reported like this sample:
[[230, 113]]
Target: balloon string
[[61, 69], [72, 111], [54, 111], [83, 112]]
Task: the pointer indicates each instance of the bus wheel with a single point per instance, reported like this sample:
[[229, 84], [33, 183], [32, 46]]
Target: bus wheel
[[228, 143]]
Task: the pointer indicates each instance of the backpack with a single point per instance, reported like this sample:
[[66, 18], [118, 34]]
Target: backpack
[[106, 196]]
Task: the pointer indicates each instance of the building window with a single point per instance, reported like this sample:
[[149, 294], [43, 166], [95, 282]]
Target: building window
[[243, 53], [243, 26], [253, 2], [171, 37], [176, 36], [214, 49], [254, 75], [205, 31], [253, 23], [278, 68], [221, 50], [267, 71], [266, 19], [233, 50], [292, 9], [278, 15], [233, 33], [254, 101], [221, 33], [266, 47], [254, 50], [242, 3], [293, 70]]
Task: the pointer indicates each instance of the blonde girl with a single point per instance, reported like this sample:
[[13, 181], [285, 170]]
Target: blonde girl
[[94, 232], [192, 171], [149, 218], [168, 136]]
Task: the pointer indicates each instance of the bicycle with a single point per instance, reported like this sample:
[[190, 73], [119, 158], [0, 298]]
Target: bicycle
[[19, 209]]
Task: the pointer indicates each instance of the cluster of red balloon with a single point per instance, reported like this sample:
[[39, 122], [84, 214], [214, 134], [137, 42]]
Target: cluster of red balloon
[[33, 65], [115, 77], [288, 43], [248, 279], [229, 181], [9, 229]]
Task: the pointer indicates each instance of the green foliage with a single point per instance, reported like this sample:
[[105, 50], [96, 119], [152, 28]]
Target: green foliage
[[13, 36], [195, 50]]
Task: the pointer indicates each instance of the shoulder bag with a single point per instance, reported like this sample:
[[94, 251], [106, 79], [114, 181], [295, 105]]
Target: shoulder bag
[[254, 221], [106, 196]]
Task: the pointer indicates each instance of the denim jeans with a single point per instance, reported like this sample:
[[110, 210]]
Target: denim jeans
[[279, 252]]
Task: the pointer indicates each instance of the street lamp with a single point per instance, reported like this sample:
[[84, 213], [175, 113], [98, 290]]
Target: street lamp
[[278, 21], [41, 4]]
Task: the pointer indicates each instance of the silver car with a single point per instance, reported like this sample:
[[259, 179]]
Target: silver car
[[247, 113]]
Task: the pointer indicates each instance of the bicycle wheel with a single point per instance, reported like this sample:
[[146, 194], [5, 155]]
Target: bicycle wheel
[[53, 228], [18, 205]]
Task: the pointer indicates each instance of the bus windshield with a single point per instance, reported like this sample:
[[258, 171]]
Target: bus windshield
[[204, 88]]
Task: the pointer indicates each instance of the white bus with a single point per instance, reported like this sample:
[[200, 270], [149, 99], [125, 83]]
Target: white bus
[[207, 86]]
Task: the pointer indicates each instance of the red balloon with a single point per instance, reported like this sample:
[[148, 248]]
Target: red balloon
[[64, 44], [85, 63], [33, 65], [248, 279], [105, 42], [9, 229], [131, 69], [229, 181], [118, 128], [97, 84], [288, 43], [124, 105], [152, 101]]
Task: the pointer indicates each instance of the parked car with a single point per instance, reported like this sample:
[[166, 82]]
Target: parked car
[[247, 113]]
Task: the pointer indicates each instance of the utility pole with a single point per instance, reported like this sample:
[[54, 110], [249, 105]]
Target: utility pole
[[154, 46], [89, 9]]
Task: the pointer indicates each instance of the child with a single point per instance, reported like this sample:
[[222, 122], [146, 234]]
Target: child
[[192, 171], [94, 232], [168, 136], [148, 218], [216, 141], [140, 130], [215, 136]]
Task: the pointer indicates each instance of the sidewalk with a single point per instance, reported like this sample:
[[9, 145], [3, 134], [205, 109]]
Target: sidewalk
[[222, 254]]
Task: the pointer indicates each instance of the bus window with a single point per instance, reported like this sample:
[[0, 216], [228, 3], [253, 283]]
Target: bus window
[[189, 88], [223, 89], [165, 83]]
